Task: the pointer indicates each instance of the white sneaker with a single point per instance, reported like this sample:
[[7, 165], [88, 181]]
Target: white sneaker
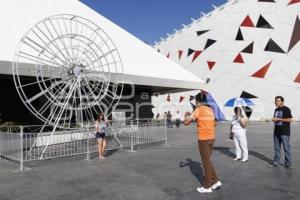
[[237, 159], [244, 160], [216, 185], [204, 190]]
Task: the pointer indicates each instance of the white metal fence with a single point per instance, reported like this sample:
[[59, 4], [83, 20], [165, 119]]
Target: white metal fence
[[29, 143]]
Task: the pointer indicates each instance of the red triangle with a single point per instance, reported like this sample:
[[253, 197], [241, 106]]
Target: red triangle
[[239, 59], [168, 98], [181, 98], [293, 1], [297, 79], [247, 22], [196, 54], [263, 71], [180, 54], [168, 55], [211, 64]]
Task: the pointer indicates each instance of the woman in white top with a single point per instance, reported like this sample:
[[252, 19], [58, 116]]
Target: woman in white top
[[238, 129], [101, 129]]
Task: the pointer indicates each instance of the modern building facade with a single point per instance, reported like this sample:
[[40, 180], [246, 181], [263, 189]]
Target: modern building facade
[[247, 48]]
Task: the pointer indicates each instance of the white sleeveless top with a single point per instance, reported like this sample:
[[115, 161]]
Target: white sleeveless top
[[236, 125]]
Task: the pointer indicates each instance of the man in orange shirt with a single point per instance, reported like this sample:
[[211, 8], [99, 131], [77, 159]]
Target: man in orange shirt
[[205, 118]]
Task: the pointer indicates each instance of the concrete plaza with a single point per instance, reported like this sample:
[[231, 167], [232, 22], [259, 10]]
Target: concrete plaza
[[161, 173]]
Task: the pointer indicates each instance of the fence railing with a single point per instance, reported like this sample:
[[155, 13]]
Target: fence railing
[[31, 143]]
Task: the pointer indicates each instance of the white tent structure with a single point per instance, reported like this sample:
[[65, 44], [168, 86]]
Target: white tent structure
[[246, 48], [141, 65]]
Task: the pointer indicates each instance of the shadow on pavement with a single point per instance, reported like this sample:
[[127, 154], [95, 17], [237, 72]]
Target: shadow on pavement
[[226, 151], [195, 168]]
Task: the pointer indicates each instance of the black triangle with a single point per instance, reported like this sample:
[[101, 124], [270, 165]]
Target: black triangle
[[247, 95], [190, 51], [209, 42], [201, 32], [273, 47], [192, 98], [266, 1], [239, 35], [263, 23], [248, 49]]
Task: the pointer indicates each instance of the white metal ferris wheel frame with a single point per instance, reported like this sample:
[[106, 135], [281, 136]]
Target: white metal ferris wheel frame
[[76, 76]]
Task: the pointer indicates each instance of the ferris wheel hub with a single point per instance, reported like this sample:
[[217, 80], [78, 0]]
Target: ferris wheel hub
[[77, 70]]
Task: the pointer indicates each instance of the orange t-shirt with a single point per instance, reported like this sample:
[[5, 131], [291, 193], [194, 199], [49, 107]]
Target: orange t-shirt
[[205, 118]]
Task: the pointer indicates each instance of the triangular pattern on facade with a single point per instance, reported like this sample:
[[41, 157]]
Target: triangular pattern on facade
[[238, 59], [272, 46], [293, 2], [196, 55], [247, 22], [249, 48], [296, 34], [209, 42], [263, 23], [262, 72], [201, 32], [211, 64], [239, 35]]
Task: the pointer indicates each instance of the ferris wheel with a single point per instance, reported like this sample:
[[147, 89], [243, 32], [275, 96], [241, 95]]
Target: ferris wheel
[[67, 70]]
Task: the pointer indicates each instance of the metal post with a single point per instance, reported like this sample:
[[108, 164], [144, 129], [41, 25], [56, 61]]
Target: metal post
[[88, 155], [21, 145], [131, 143], [166, 135], [138, 131]]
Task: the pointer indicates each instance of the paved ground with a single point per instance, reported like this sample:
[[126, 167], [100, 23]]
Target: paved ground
[[161, 173]]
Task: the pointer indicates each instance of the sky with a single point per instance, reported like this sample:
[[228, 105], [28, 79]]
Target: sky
[[149, 20]]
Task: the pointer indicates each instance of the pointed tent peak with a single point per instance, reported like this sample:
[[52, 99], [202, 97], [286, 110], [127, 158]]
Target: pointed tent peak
[[263, 23], [238, 59], [262, 72], [249, 48], [201, 32], [180, 52], [247, 22], [211, 64], [196, 55], [239, 35], [209, 42], [297, 79], [295, 35], [273, 47], [293, 2], [190, 52], [247, 95]]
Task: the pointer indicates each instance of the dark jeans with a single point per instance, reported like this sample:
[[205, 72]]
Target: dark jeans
[[177, 123], [285, 141], [210, 175], [169, 123]]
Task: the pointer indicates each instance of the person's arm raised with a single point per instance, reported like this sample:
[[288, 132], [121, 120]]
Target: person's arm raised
[[187, 119]]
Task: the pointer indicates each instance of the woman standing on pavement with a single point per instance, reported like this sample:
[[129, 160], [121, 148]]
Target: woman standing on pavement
[[238, 131], [101, 129]]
